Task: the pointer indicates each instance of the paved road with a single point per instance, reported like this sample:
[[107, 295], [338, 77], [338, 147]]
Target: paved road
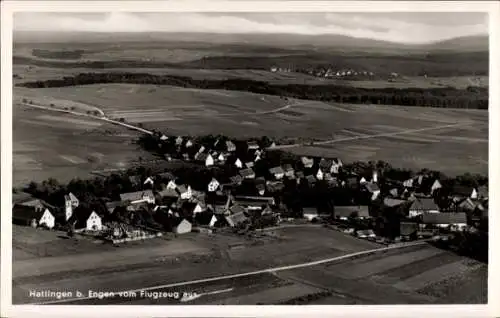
[[188, 285]]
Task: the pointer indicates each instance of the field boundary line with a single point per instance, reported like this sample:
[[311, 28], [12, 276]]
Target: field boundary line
[[271, 270]]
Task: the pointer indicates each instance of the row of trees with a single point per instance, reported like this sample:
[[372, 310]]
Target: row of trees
[[445, 97]]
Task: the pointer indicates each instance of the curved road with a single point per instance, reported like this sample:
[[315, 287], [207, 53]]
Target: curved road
[[246, 274]]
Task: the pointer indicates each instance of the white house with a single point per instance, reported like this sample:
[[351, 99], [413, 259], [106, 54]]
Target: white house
[[94, 222], [362, 181], [213, 185], [179, 141], [189, 143], [149, 180], [183, 227], [422, 206], [474, 194], [319, 175], [375, 177], [163, 138], [238, 163], [186, 192], [209, 161], [171, 185], [408, 183], [213, 220], [74, 200], [436, 185], [221, 158], [310, 214], [198, 209], [47, 219], [336, 165], [138, 197]]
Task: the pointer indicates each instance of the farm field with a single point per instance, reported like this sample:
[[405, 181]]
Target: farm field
[[29, 73], [54, 145], [411, 275], [452, 150]]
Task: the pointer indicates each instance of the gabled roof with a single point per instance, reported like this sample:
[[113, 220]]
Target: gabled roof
[[182, 188], [168, 192], [134, 196], [276, 170], [482, 191], [110, 206], [299, 174], [27, 213], [307, 161], [288, 167], [236, 179], [246, 172], [389, 202], [236, 209], [444, 218], [424, 204], [346, 211], [408, 228], [371, 187], [235, 219], [311, 179]]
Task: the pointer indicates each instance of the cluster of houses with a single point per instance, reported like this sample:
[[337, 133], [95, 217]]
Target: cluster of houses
[[162, 202], [342, 73]]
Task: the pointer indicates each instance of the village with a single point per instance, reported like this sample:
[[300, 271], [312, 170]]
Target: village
[[242, 186]]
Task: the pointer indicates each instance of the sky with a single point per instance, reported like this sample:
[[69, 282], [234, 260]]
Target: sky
[[402, 27]]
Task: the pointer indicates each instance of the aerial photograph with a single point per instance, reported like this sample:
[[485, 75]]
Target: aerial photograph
[[250, 158]]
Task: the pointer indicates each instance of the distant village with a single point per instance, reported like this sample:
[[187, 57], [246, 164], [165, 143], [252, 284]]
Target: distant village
[[243, 185], [330, 72]]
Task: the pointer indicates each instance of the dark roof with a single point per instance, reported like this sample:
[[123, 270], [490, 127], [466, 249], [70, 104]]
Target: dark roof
[[246, 172], [134, 196], [345, 211], [168, 192], [325, 164], [311, 179], [287, 167], [372, 187], [462, 190], [309, 210], [444, 218], [276, 170], [424, 204], [275, 186], [25, 213], [236, 179], [393, 202], [114, 204], [236, 209], [408, 228], [237, 218], [299, 174], [483, 191]]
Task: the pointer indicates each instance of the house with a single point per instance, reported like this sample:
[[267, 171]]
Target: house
[[179, 140], [408, 230], [247, 173], [111, 206], [274, 186], [249, 164], [374, 177], [138, 197], [435, 186], [236, 209], [391, 203], [464, 191], [319, 174], [135, 181], [373, 189], [408, 183], [277, 172], [252, 145], [482, 192], [356, 211], [252, 202], [185, 192], [273, 145], [236, 180], [30, 216], [182, 227], [311, 180], [213, 221], [238, 163], [307, 162], [365, 234], [213, 185], [221, 158], [88, 220], [189, 143], [310, 214], [289, 171], [261, 188], [422, 205], [467, 205], [230, 146], [236, 219], [456, 221], [209, 161], [336, 165], [163, 138], [362, 181], [68, 207], [168, 193], [199, 208], [149, 181], [74, 200]]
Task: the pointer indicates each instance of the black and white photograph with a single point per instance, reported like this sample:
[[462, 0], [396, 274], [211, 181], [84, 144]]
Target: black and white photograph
[[249, 158]]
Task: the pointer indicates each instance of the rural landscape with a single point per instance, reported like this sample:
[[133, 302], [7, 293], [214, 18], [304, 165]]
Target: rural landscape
[[248, 168]]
